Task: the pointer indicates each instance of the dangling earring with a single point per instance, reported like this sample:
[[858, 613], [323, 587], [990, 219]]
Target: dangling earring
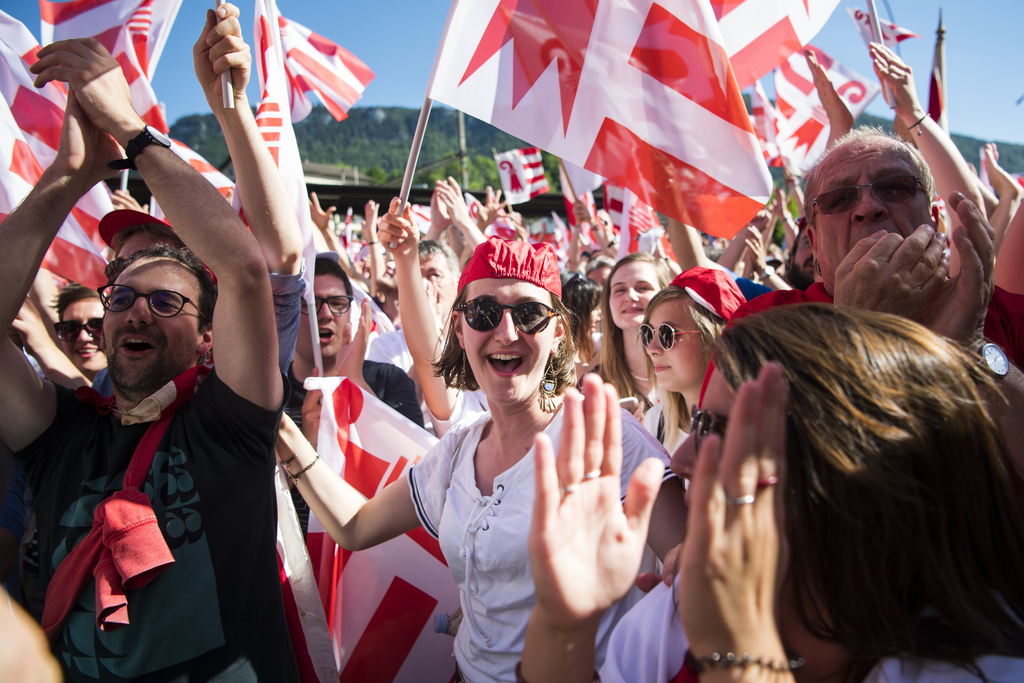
[[462, 371], [547, 401]]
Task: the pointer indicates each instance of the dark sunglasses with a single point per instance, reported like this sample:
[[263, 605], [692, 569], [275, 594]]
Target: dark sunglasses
[[529, 317], [898, 188], [163, 302], [702, 423], [666, 335], [338, 305], [69, 330]]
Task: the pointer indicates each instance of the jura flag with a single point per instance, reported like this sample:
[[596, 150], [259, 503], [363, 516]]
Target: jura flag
[[522, 174], [639, 92], [630, 216], [30, 125], [803, 124], [380, 602], [891, 33], [133, 31], [764, 118], [318, 66]]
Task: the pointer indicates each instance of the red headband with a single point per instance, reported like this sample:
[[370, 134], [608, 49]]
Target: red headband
[[498, 258], [712, 289]]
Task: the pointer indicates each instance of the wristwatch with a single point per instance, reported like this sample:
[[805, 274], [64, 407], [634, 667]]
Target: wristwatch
[[768, 272], [148, 136], [995, 359]]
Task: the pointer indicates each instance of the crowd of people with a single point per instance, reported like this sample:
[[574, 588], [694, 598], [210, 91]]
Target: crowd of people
[[796, 454]]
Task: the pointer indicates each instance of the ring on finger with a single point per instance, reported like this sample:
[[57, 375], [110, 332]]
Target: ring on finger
[[570, 488], [767, 481], [742, 500], [593, 474]]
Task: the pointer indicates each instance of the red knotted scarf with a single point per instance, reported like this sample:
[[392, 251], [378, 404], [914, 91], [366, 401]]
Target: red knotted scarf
[[125, 548]]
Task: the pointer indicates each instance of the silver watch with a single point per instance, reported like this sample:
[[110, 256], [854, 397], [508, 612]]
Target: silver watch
[[995, 358]]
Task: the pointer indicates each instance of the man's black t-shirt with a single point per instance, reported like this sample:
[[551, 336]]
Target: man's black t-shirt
[[217, 612]]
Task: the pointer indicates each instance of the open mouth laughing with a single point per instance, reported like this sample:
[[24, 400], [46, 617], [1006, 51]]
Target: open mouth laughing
[[505, 363]]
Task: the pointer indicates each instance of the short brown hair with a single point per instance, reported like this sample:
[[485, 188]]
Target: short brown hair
[[72, 293], [453, 365]]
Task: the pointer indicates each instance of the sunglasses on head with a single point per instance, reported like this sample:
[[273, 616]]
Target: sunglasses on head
[[529, 317], [666, 335], [898, 188], [702, 423], [69, 330]]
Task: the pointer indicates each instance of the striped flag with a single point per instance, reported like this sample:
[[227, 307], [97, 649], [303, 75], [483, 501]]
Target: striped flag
[[803, 124], [31, 120], [522, 174], [637, 91], [761, 34], [133, 31], [629, 215], [891, 33], [380, 602], [764, 118], [315, 65]]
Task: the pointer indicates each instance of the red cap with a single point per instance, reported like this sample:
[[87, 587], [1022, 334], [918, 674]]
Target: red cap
[[116, 221], [500, 258], [713, 289]]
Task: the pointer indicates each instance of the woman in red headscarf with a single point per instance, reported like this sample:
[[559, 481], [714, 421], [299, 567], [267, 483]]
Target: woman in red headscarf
[[507, 335]]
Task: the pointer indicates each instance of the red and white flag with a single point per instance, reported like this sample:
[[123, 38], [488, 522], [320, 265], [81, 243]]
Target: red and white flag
[[761, 34], [31, 120], [803, 124], [891, 33], [315, 65], [937, 96], [380, 602], [133, 31], [522, 174], [629, 215], [764, 118], [636, 91]]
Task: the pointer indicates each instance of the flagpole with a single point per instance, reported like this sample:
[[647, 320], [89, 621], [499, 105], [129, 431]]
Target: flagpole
[[876, 32], [568, 180], [227, 90], [414, 155], [124, 180]]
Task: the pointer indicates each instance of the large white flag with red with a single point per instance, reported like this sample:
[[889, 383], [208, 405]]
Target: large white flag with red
[[522, 174], [765, 117], [803, 124], [380, 602], [133, 31], [761, 34], [317, 66], [637, 91], [31, 121], [891, 33]]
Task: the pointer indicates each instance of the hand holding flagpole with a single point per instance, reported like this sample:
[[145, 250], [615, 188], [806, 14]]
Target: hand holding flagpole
[[227, 90], [876, 32]]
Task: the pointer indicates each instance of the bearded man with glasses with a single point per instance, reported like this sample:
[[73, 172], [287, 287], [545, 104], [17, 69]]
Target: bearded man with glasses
[[872, 211]]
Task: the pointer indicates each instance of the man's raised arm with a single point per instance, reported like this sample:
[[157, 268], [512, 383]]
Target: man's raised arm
[[246, 354]]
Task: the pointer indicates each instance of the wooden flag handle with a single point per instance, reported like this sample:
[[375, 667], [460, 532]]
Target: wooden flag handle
[[227, 90]]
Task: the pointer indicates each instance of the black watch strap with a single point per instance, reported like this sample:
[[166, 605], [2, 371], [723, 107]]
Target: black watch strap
[[132, 149]]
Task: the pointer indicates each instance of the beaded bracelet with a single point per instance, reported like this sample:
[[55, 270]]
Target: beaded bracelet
[[295, 477], [701, 664], [285, 463]]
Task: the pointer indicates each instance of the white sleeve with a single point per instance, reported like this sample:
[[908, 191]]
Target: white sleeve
[[430, 478], [648, 645], [637, 446]]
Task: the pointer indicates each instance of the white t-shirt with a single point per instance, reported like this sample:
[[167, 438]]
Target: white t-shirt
[[651, 419], [483, 539], [648, 646]]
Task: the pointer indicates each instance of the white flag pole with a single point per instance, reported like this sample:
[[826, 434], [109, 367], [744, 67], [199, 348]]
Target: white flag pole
[[876, 33], [124, 180], [227, 90]]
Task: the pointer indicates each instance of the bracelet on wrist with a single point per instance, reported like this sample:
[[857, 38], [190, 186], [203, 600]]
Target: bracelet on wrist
[[295, 477], [699, 665], [372, 243], [918, 124], [285, 463]]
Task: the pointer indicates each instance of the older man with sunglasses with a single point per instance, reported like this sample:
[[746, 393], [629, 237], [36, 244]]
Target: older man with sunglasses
[[872, 212]]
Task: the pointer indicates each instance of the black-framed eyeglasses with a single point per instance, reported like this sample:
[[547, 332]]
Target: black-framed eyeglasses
[[69, 330], [338, 305], [529, 317], [666, 335], [898, 188], [703, 422], [163, 302]]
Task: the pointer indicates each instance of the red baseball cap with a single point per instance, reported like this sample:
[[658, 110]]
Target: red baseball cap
[[713, 289], [536, 264], [116, 221]]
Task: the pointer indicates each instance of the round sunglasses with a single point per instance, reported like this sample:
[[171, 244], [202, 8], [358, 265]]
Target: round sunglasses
[[69, 330], [666, 335], [529, 317]]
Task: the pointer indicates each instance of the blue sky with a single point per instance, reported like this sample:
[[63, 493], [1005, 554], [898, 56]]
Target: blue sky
[[398, 39]]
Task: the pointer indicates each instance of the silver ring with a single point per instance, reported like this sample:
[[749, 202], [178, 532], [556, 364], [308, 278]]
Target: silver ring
[[592, 475], [742, 500], [570, 488]]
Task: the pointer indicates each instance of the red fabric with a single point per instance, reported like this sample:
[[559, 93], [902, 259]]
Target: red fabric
[[498, 258], [685, 675], [125, 548], [116, 221], [713, 289]]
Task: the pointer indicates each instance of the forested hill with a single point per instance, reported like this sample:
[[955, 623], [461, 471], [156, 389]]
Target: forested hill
[[377, 139]]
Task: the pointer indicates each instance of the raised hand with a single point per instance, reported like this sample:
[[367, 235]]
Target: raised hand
[[321, 218], [839, 117], [727, 590], [585, 546], [349, 362], [399, 231], [220, 47], [124, 201], [490, 209], [894, 72]]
